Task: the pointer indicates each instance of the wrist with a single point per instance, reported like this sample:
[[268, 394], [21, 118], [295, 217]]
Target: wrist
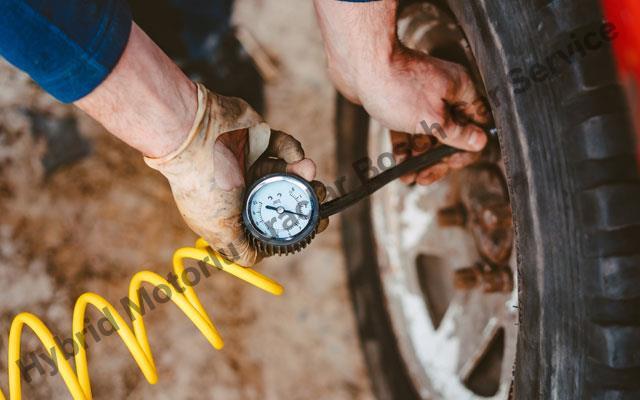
[[171, 131], [370, 64], [374, 69], [359, 39], [214, 116], [146, 100]]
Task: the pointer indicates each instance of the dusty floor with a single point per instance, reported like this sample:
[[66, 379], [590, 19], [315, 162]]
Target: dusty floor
[[91, 226]]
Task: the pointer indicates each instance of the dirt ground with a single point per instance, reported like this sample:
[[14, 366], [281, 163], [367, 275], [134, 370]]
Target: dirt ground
[[92, 225]]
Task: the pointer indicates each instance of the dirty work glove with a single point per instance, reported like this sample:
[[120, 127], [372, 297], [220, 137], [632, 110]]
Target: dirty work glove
[[227, 148]]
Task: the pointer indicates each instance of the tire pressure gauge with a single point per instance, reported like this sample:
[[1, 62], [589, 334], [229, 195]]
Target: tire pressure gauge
[[281, 214], [281, 211]]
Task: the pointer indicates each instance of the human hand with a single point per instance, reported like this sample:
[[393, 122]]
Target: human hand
[[419, 94], [227, 148], [435, 101], [407, 91]]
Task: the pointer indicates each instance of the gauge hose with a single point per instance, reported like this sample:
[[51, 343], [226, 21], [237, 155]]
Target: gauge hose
[[424, 160], [134, 339]]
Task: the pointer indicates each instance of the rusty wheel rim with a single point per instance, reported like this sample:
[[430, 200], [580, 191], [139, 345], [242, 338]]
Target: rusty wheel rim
[[453, 309]]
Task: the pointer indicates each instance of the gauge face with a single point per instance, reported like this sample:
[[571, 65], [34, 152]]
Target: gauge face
[[281, 209]]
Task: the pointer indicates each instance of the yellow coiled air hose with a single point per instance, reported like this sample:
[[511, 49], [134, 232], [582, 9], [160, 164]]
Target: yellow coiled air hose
[[136, 339]]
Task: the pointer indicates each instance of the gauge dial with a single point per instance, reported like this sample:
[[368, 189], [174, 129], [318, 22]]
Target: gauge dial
[[281, 209]]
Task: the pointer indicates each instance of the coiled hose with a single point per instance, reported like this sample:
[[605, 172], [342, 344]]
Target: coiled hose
[[136, 340]]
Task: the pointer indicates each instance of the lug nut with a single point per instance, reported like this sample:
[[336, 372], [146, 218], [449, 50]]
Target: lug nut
[[452, 216], [491, 279]]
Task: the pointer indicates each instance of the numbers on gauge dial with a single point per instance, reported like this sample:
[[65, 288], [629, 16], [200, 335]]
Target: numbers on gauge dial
[[280, 209]]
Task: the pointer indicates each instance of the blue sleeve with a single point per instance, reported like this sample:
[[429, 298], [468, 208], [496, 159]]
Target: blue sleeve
[[67, 46]]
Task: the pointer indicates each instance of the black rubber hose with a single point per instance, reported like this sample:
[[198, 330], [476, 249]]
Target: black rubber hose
[[424, 160]]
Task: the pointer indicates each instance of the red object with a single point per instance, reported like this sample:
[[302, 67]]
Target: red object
[[625, 14]]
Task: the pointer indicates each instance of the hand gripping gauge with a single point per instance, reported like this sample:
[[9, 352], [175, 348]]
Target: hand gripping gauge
[[281, 211]]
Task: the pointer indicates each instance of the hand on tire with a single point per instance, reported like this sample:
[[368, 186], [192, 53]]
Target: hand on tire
[[433, 100]]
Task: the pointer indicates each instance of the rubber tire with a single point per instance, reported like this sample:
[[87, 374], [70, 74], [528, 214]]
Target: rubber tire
[[572, 172]]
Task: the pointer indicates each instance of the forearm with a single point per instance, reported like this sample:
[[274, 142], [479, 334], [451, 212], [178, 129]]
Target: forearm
[[146, 100], [360, 40], [403, 89], [90, 53]]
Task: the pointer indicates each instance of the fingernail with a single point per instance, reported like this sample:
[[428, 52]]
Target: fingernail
[[475, 140]]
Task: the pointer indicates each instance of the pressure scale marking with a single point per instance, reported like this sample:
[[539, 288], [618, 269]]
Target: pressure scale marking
[[280, 214]]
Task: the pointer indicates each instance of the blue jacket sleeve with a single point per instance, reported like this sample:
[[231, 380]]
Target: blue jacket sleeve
[[67, 46]]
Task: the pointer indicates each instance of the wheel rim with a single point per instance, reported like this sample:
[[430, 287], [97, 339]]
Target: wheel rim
[[457, 344]]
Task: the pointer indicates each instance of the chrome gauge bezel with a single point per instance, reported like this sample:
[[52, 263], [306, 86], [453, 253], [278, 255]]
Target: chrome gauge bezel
[[303, 237]]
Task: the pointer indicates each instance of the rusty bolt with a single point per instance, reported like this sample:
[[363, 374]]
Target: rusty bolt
[[492, 279], [452, 216]]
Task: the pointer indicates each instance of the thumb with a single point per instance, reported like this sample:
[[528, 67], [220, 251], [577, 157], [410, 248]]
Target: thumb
[[466, 137], [287, 148], [284, 146], [282, 154]]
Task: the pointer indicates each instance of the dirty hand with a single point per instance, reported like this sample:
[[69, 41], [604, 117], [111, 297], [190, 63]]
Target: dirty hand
[[406, 91], [227, 148], [423, 101]]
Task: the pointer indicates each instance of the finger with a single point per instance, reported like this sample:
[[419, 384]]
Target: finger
[[469, 137], [401, 145], [284, 146], [320, 190], [265, 166], [468, 101], [322, 225], [421, 143], [400, 142], [432, 174], [305, 168], [461, 160], [409, 178], [477, 110]]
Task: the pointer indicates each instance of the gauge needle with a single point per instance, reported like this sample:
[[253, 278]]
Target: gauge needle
[[280, 210]]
